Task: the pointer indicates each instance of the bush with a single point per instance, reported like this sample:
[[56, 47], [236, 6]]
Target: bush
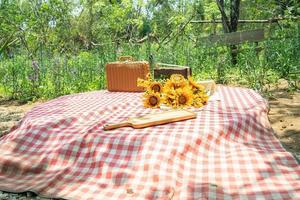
[[52, 75]]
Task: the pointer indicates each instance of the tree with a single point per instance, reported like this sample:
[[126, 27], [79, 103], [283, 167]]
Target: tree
[[230, 24], [290, 7]]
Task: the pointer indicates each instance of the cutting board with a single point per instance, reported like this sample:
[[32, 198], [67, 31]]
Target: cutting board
[[153, 119]]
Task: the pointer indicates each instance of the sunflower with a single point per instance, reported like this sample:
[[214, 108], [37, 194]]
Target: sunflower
[[148, 77], [168, 85], [205, 98], [200, 97], [155, 87], [145, 83], [178, 80], [176, 92], [142, 83], [195, 85], [184, 97], [152, 100], [169, 98], [197, 103]]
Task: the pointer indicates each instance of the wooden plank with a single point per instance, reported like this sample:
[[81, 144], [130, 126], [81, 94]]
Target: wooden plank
[[272, 20], [168, 65], [239, 21], [236, 37], [153, 119]]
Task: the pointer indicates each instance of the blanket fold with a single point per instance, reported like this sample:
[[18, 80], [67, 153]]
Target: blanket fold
[[229, 151]]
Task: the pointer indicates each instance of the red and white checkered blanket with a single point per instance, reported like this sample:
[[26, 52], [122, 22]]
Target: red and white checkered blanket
[[59, 149]]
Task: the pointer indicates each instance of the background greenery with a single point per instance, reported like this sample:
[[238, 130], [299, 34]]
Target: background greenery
[[50, 48]]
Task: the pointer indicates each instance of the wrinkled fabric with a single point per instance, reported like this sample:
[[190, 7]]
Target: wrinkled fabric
[[59, 149]]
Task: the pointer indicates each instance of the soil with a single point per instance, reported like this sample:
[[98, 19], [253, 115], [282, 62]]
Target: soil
[[284, 116], [11, 112]]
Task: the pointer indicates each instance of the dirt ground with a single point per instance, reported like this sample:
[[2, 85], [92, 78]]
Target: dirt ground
[[284, 116], [11, 112]]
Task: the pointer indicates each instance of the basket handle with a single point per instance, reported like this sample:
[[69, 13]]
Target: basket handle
[[125, 58]]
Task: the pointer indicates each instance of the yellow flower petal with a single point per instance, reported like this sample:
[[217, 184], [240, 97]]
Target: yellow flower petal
[[142, 83], [155, 87], [195, 85], [178, 80], [170, 98], [152, 100], [184, 97]]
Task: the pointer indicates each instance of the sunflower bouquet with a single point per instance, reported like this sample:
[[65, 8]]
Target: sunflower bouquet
[[175, 92]]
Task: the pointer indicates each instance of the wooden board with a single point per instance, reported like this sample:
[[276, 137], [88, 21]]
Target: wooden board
[[153, 119], [236, 37]]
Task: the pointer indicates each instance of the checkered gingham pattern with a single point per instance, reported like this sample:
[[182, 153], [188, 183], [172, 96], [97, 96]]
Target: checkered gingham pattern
[[59, 149]]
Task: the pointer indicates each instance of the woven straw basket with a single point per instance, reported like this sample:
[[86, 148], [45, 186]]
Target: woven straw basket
[[122, 75]]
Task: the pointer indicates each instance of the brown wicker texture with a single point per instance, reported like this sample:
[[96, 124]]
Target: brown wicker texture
[[122, 76]]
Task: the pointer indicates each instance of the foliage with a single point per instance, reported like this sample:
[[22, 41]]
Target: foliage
[[57, 75], [50, 48]]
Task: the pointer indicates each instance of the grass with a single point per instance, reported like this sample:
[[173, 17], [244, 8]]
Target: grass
[[52, 75]]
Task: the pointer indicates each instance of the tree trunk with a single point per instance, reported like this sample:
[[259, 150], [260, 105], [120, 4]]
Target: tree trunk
[[225, 21], [234, 17], [90, 24], [232, 24]]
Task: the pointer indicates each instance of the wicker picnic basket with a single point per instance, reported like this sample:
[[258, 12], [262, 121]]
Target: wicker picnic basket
[[122, 75]]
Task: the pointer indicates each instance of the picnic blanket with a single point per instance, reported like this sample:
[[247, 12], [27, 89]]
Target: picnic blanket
[[229, 151]]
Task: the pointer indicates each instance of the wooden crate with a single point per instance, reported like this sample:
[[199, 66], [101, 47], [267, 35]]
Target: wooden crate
[[164, 71]]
